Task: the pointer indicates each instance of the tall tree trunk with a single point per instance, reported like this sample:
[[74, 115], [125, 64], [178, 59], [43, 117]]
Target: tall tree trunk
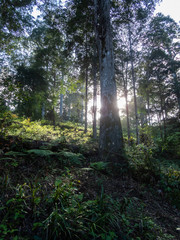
[[147, 94], [126, 99], [86, 92], [94, 93], [162, 113], [165, 120], [69, 107], [53, 117], [86, 100], [160, 126], [148, 109], [96, 44], [61, 97], [43, 111], [82, 105], [82, 110], [111, 139], [134, 83], [61, 105]]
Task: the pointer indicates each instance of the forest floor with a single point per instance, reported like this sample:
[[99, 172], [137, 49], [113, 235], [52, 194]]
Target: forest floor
[[33, 172]]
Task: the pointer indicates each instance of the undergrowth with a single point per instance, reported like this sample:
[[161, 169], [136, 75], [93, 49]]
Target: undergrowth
[[40, 187], [162, 173]]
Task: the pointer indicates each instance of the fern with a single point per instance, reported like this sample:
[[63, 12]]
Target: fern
[[72, 158], [14, 154], [99, 166], [40, 152]]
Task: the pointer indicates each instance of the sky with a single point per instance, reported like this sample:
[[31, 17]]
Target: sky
[[167, 7], [170, 7]]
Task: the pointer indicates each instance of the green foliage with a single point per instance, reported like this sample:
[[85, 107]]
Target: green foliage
[[170, 183], [14, 212], [75, 218], [9, 161], [11, 125], [42, 199], [3, 107], [100, 166], [37, 130], [135, 224], [69, 215], [145, 168], [6, 120], [145, 135], [14, 154], [142, 163], [71, 159], [171, 145], [40, 153], [31, 86]]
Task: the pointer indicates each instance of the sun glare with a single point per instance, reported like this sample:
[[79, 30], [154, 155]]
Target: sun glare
[[121, 104]]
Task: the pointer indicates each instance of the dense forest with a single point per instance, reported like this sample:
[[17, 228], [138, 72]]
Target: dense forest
[[89, 121]]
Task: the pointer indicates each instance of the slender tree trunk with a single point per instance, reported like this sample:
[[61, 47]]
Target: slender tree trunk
[[177, 89], [43, 111], [127, 117], [111, 139], [54, 120], [61, 104], [95, 73], [165, 118], [162, 113], [147, 93], [86, 101], [160, 126], [134, 83], [53, 107], [148, 109], [164, 123], [61, 97], [94, 93], [82, 105], [126, 100], [69, 108], [86, 92], [82, 110]]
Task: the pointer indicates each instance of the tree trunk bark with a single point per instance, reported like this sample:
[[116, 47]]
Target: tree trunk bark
[[147, 94], [82, 109], [86, 100], [94, 93], [43, 111], [61, 105], [96, 44], [86, 93], [61, 97], [69, 108], [148, 109], [162, 114], [134, 84], [126, 100], [177, 89], [111, 139], [160, 126]]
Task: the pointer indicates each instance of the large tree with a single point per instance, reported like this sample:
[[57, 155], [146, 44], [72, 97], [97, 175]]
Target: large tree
[[111, 139]]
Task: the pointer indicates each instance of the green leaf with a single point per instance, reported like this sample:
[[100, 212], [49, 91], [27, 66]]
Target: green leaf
[[12, 153], [39, 152]]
